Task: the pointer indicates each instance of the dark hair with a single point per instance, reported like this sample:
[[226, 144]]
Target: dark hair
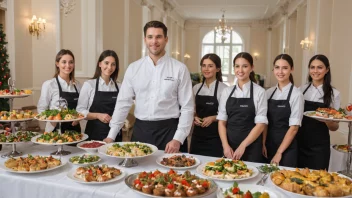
[[102, 56], [58, 57], [155, 24], [327, 88], [217, 61], [249, 58], [287, 58]]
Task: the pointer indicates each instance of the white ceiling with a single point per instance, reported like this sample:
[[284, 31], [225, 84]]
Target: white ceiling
[[235, 9]]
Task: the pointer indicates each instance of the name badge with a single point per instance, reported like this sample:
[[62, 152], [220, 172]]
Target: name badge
[[281, 106], [209, 103], [75, 99], [114, 97], [170, 78], [243, 105]]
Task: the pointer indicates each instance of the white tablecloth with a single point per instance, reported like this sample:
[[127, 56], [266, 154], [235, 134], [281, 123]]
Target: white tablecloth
[[56, 184]]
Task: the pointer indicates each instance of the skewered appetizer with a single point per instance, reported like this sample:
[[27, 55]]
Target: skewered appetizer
[[235, 192], [55, 114], [227, 169], [16, 115], [129, 150], [313, 183], [96, 173], [16, 92], [55, 137], [31, 163], [171, 184], [178, 161], [85, 159], [21, 136]]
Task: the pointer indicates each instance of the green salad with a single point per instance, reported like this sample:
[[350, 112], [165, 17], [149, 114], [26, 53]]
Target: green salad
[[85, 159]]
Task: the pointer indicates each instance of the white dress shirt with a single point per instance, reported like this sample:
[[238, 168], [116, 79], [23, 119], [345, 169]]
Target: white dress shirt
[[159, 91], [50, 94], [87, 93], [209, 91], [259, 98], [296, 101], [315, 94]]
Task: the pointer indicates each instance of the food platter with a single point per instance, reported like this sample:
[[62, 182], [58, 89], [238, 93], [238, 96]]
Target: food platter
[[104, 150], [311, 114], [84, 160], [17, 120], [160, 159], [34, 140], [71, 175], [3, 167], [22, 142], [72, 120], [342, 148], [15, 96], [325, 187], [252, 188], [90, 150], [255, 172], [130, 182]]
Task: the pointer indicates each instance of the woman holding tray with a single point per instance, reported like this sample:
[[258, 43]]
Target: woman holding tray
[[313, 137], [63, 85], [98, 97]]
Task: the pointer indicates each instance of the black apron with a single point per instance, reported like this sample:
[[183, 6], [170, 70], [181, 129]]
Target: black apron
[[158, 133], [241, 115], [206, 140], [313, 140], [103, 102], [72, 99], [279, 112]]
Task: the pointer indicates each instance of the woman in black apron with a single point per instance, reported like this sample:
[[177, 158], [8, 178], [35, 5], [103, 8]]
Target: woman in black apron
[[63, 85], [313, 137], [285, 111], [242, 113], [98, 97], [207, 94]]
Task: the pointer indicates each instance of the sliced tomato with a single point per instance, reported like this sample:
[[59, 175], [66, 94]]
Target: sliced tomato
[[137, 181], [248, 195], [170, 186], [235, 190], [205, 184]]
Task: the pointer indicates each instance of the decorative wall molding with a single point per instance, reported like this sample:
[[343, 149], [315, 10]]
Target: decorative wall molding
[[196, 23], [67, 6], [3, 4], [10, 35]]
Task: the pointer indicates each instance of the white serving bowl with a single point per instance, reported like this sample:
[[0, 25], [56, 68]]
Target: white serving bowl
[[90, 150]]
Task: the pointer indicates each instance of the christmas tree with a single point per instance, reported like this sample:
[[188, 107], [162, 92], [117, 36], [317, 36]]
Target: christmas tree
[[4, 69]]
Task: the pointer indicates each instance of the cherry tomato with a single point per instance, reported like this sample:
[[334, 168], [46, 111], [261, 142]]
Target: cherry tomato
[[235, 190]]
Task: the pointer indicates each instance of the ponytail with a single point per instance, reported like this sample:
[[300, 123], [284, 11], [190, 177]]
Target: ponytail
[[252, 77], [291, 79]]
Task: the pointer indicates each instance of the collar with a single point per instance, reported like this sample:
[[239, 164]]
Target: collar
[[102, 81], [62, 81], [160, 61], [246, 86], [285, 88], [211, 84]]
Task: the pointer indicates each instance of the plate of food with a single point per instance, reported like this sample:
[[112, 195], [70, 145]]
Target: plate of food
[[54, 138], [16, 115], [55, 115], [17, 138], [127, 150], [16, 93], [329, 114], [98, 174], [32, 164], [84, 159], [344, 148], [90, 146], [247, 190], [305, 183], [178, 161], [227, 170], [170, 184]]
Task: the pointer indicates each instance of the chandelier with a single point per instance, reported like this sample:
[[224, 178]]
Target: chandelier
[[223, 31]]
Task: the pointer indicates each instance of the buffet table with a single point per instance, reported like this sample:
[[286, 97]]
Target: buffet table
[[55, 183]]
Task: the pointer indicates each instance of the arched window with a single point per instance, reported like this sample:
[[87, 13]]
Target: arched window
[[226, 50]]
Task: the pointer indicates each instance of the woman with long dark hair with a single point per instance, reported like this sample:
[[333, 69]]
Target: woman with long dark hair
[[207, 95], [98, 97], [62, 85], [242, 113], [313, 137], [285, 112]]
